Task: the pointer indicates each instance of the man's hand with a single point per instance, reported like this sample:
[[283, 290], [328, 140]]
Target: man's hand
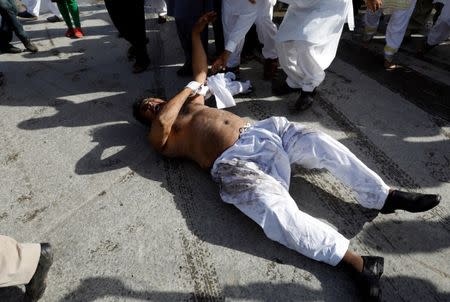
[[374, 5], [221, 62], [203, 21]]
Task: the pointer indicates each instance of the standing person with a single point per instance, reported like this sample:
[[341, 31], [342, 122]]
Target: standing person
[[71, 15], [252, 164], [400, 11], [237, 17], [129, 19], [33, 10], [186, 14], [440, 30], [10, 24], [25, 264], [307, 42]]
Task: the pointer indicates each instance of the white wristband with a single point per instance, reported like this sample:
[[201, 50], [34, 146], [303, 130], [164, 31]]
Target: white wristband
[[194, 86]]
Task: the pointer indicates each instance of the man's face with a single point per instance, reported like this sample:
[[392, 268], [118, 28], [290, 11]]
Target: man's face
[[151, 107]]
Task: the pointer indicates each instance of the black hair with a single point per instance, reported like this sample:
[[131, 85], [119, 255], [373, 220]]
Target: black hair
[[137, 113]]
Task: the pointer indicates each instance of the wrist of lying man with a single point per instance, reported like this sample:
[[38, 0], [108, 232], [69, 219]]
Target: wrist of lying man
[[196, 87]]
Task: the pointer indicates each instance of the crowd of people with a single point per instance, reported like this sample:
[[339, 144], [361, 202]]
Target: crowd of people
[[240, 156]]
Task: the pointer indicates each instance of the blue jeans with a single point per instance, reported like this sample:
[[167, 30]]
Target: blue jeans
[[10, 24]]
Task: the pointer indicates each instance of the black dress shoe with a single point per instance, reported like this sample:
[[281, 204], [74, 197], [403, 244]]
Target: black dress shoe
[[35, 289], [411, 202], [305, 100], [141, 65], [26, 16], [282, 88], [369, 278], [10, 49], [54, 19]]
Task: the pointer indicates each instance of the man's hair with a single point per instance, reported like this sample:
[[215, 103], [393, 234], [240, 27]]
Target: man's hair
[[137, 113]]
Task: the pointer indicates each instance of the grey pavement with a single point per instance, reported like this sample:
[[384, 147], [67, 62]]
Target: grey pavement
[[129, 225]]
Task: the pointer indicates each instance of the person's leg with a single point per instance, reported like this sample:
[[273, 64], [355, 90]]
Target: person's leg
[[137, 36], [218, 28], [441, 30], [371, 21], [53, 8], [34, 7], [64, 10], [395, 30], [6, 32], [72, 6], [314, 149], [18, 261]]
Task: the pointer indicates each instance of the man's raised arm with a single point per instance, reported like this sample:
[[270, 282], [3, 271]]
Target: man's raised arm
[[199, 60]]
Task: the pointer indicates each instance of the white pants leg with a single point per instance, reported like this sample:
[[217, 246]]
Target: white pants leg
[[441, 30], [267, 31], [53, 8], [18, 261], [317, 150], [33, 7], [396, 29], [297, 58], [267, 202]]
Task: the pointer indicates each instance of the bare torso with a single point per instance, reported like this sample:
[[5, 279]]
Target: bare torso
[[201, 133]]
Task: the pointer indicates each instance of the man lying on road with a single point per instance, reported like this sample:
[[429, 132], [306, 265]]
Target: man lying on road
[[252, 164]]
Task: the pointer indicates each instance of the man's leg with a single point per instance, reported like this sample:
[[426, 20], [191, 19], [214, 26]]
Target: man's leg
[[314, 149]]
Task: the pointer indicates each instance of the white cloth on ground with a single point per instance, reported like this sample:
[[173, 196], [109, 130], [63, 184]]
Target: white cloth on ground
[[308, 38], [254, 175], [34, 7], [223, 86], [441, 29]]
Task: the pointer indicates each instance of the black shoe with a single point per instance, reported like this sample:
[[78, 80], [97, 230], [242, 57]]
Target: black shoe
[[35, 289], [30, 46], [10, 49], [305, 100], [282, 88], [141, 65], [411, 202], [131, 53], [369, 278], [162, 19], [54, 19], [185, 70], [26, 16]]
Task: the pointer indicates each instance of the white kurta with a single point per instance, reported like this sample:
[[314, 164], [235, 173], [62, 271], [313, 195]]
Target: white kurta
[[308, 38], [254, 175], [237, 18], [441, 29]]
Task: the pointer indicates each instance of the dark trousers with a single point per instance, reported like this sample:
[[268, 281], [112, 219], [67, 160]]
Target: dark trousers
[[10, 24], [184, 29], [129, 19], [218, 28]]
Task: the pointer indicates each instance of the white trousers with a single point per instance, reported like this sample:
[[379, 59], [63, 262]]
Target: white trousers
[[18, 261], [254, 175], [34, 7], [395, 30], [265, 29], [441, 30], [304, 63]]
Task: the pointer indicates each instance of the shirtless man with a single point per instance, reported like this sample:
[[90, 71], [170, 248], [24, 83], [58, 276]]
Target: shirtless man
[[252, 165]]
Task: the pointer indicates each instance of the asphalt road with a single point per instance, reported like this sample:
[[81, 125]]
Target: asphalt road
[[129, 225]]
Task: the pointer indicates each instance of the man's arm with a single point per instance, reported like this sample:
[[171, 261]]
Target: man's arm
[[199, 59], [162, 125]]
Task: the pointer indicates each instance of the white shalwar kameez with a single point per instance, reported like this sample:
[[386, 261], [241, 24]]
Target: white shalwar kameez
[[441, 29], [308, 38], [237, 18], [400, 11], [254, 175]]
